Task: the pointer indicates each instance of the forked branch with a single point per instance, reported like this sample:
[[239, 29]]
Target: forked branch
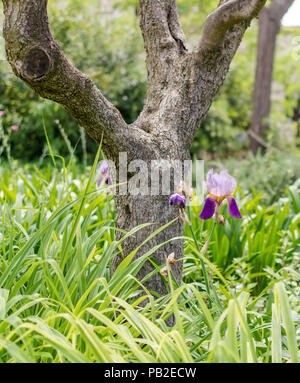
[[225, 17]]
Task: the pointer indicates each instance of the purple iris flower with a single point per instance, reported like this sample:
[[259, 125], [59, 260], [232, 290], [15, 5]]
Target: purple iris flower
[[104, 173], [177, 199], [104, 167], [219, 186]]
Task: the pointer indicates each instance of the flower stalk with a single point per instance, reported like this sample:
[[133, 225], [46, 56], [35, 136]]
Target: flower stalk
[[202, 252], [220, 187]]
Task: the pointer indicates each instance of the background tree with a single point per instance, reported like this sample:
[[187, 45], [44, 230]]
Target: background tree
[[269, 27], [181, 86], [296, 118]]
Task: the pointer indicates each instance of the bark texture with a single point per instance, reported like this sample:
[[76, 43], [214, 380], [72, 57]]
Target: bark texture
[[181, 87], [269, 27]]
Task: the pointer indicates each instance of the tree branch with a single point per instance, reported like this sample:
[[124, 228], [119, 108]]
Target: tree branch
[[278, 8], [224, 18], [222, 35], [37, 59]]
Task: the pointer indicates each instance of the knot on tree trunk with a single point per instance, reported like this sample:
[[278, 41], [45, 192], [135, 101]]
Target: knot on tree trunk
[[36, 64]]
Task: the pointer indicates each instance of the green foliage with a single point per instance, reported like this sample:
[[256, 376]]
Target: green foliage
[[58, 302]]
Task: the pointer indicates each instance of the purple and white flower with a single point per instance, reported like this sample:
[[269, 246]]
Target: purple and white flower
[[220, 186], [178, 199], [104, 173]]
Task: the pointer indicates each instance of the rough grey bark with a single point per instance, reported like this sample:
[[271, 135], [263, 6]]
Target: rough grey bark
[[181, 87], [269, 27]]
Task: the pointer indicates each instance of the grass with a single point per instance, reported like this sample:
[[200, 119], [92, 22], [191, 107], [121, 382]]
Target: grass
[[58, 302]]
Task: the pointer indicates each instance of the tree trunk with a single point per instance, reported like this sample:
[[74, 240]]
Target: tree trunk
[[296, 118], [181, 86], [269, 27], [132, 212]]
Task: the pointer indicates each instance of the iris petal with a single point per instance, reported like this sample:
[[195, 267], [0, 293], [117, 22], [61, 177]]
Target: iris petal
[[104, 167], [221, 184], [108, 181], [177, 199], [100, 181], [210, 181], [233, 208], [208, 209]]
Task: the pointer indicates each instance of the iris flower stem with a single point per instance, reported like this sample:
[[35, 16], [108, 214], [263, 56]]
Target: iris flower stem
[[202, 251]]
